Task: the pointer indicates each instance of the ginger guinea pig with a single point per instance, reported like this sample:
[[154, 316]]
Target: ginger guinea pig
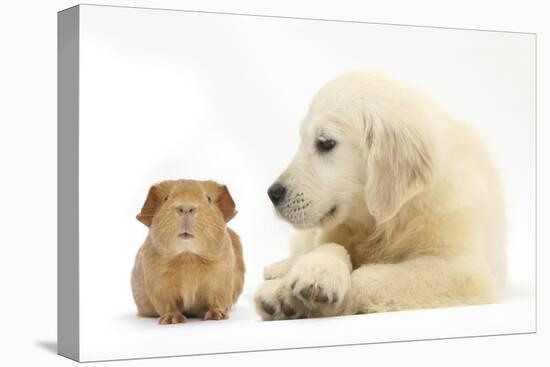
[[191, 263]]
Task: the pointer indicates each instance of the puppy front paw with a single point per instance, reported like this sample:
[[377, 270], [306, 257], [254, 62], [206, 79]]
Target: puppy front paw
[[172, 318], [274, 301], [320, 282]]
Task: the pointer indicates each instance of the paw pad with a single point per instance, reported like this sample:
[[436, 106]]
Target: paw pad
[[268, 308], [288, 310], [316, 294]]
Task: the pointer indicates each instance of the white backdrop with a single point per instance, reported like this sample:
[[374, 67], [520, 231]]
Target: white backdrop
[[168, 94], [28, 150]]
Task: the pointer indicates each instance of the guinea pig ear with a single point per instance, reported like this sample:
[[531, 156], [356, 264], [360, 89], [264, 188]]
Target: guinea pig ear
[[399, 165], [225, 203], [150, 206]]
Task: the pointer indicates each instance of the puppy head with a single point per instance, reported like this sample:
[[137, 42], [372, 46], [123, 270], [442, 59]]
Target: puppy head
[[323, 181], [365, 149], [188, 216]]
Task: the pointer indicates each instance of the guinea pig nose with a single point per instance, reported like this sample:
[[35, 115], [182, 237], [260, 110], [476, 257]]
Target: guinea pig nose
[[189, 210], [276, 193]]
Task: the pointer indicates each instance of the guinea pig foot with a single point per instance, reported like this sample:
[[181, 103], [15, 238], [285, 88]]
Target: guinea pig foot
[[216, 314], [172, 318]]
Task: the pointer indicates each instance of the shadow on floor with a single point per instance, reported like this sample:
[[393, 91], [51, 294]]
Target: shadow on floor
[[50, 346]]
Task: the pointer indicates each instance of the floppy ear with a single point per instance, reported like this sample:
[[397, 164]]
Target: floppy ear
[[225, 203], [399, 165], [150, 206]]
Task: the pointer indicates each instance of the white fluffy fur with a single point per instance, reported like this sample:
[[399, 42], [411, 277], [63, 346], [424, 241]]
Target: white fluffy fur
[[419, 217]]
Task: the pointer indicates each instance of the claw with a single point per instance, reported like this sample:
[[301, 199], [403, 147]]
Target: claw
[[321, 297], [307, 292]]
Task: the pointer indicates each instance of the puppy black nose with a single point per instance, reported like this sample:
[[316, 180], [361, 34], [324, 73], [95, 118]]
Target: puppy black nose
[[276, 193]]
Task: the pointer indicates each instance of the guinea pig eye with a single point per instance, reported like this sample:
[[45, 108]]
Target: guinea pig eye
[[325, 145], [209, 199]]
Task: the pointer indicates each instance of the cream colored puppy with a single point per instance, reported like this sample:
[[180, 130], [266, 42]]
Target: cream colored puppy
[[397, 205]]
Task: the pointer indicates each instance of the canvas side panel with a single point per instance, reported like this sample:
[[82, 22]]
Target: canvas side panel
[[67, 183]]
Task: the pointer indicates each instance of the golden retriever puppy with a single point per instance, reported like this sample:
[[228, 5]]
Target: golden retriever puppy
[[397, 206]]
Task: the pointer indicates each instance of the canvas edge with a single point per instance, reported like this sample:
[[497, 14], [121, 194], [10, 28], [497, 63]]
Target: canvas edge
[[68, 333]]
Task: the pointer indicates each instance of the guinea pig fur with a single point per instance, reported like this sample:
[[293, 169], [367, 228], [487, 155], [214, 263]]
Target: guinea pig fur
[[191, 263]]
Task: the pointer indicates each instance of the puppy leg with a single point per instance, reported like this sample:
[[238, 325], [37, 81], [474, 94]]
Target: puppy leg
[[321, 279], [302, 242], [423, 282], [278, 269]]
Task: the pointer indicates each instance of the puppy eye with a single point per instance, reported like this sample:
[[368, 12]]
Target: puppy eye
[[166, 198], [209, 199], [325, 145]]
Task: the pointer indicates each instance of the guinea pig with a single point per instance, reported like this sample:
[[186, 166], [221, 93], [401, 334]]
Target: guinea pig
[[191, 264]]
